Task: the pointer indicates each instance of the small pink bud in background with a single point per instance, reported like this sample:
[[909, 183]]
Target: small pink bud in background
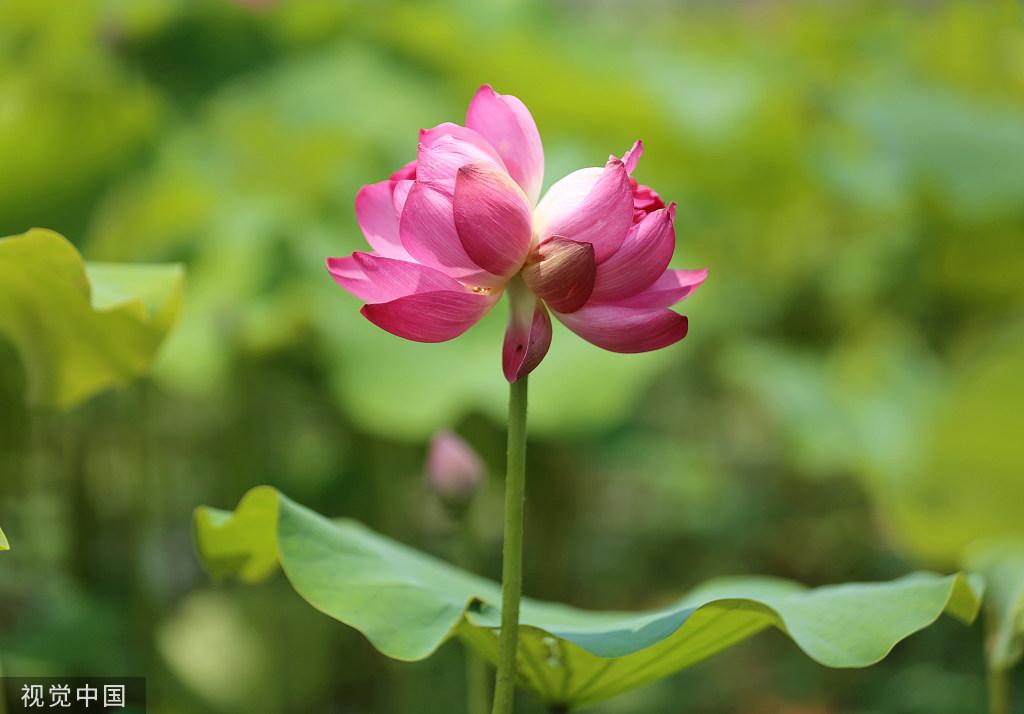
[[454, 470]]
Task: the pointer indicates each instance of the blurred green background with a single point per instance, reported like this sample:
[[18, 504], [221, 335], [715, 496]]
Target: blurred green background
[[846, 407]]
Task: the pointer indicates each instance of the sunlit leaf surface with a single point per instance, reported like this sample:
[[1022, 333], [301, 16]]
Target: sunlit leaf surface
[[407, 604], [79, 327]]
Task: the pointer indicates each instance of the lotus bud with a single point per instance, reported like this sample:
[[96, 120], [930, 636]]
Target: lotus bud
[[454, 470]]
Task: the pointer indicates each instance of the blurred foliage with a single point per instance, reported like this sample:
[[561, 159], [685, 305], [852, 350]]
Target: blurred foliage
[[80, 328], [845, 406]]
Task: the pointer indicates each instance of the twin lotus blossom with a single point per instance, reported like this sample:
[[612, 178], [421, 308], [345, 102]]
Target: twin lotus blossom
[[462, 224]]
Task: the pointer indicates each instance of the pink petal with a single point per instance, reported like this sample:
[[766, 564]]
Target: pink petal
[[431, 316], [446, 148], [507, 124], [624, 329], [670, 288], [375, 212], [590, 206], [645, 200], [641, 259], [562, 274], [373, 278], [631, 157], [492, 217], [428, 233], [528, 335], [399, 195]]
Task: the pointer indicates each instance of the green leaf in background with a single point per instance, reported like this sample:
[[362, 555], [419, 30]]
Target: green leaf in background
[[1002, 566], [966, 486], [72, 114], [408, 604], [4, 545], [79, 327]]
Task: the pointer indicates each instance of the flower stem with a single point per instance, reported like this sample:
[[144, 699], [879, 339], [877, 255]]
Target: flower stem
[[998, 692], [512, 552], [478, 675]]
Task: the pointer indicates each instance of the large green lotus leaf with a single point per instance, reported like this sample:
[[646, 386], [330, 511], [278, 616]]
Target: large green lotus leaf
[[1002, 565], [408, 603], [81, 327]]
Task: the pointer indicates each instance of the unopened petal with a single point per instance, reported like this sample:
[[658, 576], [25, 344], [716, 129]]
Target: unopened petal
[[428, 233], [528, 335], [670, 288], [375, 212], [373, 278], [492, 217], [507, 124], [625, 329], [562, 274], [590, 206], [641, 259], [431, 316]]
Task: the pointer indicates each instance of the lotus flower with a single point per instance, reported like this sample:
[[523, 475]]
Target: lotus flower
[[461, 225]]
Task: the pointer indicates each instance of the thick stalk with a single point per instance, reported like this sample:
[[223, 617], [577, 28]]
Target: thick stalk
[[512, 551], [998, 692]]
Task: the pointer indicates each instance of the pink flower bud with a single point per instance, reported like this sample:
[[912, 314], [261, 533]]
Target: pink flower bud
[[454, 470]]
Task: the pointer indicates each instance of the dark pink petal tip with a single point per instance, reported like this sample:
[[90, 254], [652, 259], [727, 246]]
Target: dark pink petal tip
[[524, 349]]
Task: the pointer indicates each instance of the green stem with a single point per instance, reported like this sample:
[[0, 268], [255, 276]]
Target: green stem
[[478, 676], [478, 682], [512, 552], [998, 692]]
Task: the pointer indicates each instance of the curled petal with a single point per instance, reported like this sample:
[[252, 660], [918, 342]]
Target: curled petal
[[563, 274], [373, 278], [590, 206], [645, 200], [641, 259], [624, 329], [427, 230], [431, 316], [507, 124], [492, 217], [528, 335], [375, 212], [670, 288], [631, 157], [445, 149]]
